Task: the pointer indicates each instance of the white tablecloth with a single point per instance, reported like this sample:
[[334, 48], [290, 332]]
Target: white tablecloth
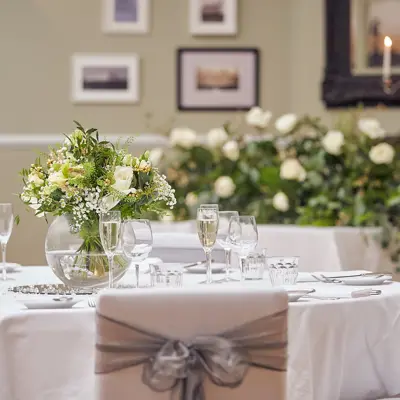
[[327, 249], [344, 349]]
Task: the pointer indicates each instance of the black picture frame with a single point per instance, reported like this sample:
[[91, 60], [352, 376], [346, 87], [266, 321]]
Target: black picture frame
[[340, 88], [213, 50]]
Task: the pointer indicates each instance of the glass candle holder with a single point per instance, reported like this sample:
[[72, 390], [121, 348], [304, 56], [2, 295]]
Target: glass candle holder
[[165, 275], [283, 270], [254, 266]]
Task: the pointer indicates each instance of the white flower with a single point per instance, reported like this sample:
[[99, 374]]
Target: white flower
[[224, 187], [382, 153], [156, 155], [127, 160], [231, 150], [216, 137], [291, 169], [35, 179], [57, 179], [258, 118], [333, 142], [191, 199], [286, 123], [280, 202], [123, 178], [144, 165], [371, 127], [34, 203], [167, 217], [183, 137]]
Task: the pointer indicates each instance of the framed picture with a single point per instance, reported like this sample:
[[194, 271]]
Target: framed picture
[[217, 79], [126, 16], [213, 17], [355, 34], [105, 78]]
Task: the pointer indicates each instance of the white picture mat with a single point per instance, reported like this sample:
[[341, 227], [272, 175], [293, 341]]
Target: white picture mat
[[79, 94], [110, 25], [227, 27], [245, 63]]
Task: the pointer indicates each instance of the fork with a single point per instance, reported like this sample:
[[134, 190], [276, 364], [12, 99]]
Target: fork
[[91, 302]]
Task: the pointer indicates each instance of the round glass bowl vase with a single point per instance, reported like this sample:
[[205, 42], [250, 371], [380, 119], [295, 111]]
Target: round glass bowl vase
[[77, 258]]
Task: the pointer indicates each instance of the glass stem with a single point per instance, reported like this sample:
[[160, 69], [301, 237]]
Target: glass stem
[[228, 253], [110, 271], [242, 267], [208, 266], [3, 256]]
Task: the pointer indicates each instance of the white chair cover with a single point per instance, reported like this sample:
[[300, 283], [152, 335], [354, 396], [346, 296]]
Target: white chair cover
[[183, 315]]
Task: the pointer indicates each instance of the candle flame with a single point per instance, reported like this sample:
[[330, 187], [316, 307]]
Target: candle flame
[[387, 41]]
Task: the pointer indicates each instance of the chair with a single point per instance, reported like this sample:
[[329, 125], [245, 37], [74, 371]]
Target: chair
[[152, 342]]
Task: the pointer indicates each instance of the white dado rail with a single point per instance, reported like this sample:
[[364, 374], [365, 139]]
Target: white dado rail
[[33, 140]]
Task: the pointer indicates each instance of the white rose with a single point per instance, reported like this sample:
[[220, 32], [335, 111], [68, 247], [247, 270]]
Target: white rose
[[231, 150], [57, 179], [34, 204], [333, 142], [216, 137], [191, 199], [371, 127], [183, 137], [291, 169], [35, 179], [382, 153], [280, 202], [224, 187], [258, 118], [156, 155], [167, 217], [123, 178], [286, 123]]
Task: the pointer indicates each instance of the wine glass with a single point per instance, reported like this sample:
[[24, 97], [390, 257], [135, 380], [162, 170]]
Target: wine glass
[[207, 228], [110, 231], [243, 237], [137, 241], [223, 241], [6, 226]]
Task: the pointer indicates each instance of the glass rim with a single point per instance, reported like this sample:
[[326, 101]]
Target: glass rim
[[136, 219], [227, 211], [6, 204], [209, 205], [282, 258]]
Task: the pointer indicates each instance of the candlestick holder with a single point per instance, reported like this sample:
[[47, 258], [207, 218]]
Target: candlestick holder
[[389, 87]]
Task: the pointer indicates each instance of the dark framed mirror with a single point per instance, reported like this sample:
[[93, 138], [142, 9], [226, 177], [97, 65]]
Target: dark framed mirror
[[355, 52]]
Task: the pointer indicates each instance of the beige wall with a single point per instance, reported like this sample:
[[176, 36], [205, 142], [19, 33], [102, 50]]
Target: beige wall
[[38, 38]]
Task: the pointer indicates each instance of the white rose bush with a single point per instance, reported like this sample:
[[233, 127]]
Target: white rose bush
[[297, 171], [85, 176]]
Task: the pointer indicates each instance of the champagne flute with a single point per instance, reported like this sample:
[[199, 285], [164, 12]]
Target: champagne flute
[[223, 240], [137, 241], [6, 226], [243, 237], [110, 230], [207, 228]]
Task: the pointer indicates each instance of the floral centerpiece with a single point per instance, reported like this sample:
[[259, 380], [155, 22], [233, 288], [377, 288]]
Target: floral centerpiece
[[298, 172], [86, 176]]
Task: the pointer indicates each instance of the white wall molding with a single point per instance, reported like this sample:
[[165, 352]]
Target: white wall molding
[[33, 140]]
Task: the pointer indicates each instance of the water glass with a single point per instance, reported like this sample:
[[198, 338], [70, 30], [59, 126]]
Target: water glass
[[6, 226], [254, 266], [110, 231], [283, 270], [165, 275], [137, 242]]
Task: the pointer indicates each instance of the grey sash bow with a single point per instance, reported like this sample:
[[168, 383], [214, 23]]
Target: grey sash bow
[[178, 365]]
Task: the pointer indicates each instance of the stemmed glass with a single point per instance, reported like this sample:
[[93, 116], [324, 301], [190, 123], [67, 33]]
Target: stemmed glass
[[6, 225], [137, 242], [243, 237], [223, 241], [110, 231], [207, 228]]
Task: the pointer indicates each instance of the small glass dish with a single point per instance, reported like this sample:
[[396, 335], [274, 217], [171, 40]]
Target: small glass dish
[[166, 275], [283, 270], [254, 266]]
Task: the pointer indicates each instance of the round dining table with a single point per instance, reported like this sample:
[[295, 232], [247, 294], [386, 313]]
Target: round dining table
[[340, 347]]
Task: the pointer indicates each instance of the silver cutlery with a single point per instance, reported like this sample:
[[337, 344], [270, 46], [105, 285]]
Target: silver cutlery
[[195, 264], [365, 293], [91, 302], [63, 298], [367, 274]]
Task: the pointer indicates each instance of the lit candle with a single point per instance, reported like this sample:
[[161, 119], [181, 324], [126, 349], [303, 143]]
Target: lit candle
[[387, 58]]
